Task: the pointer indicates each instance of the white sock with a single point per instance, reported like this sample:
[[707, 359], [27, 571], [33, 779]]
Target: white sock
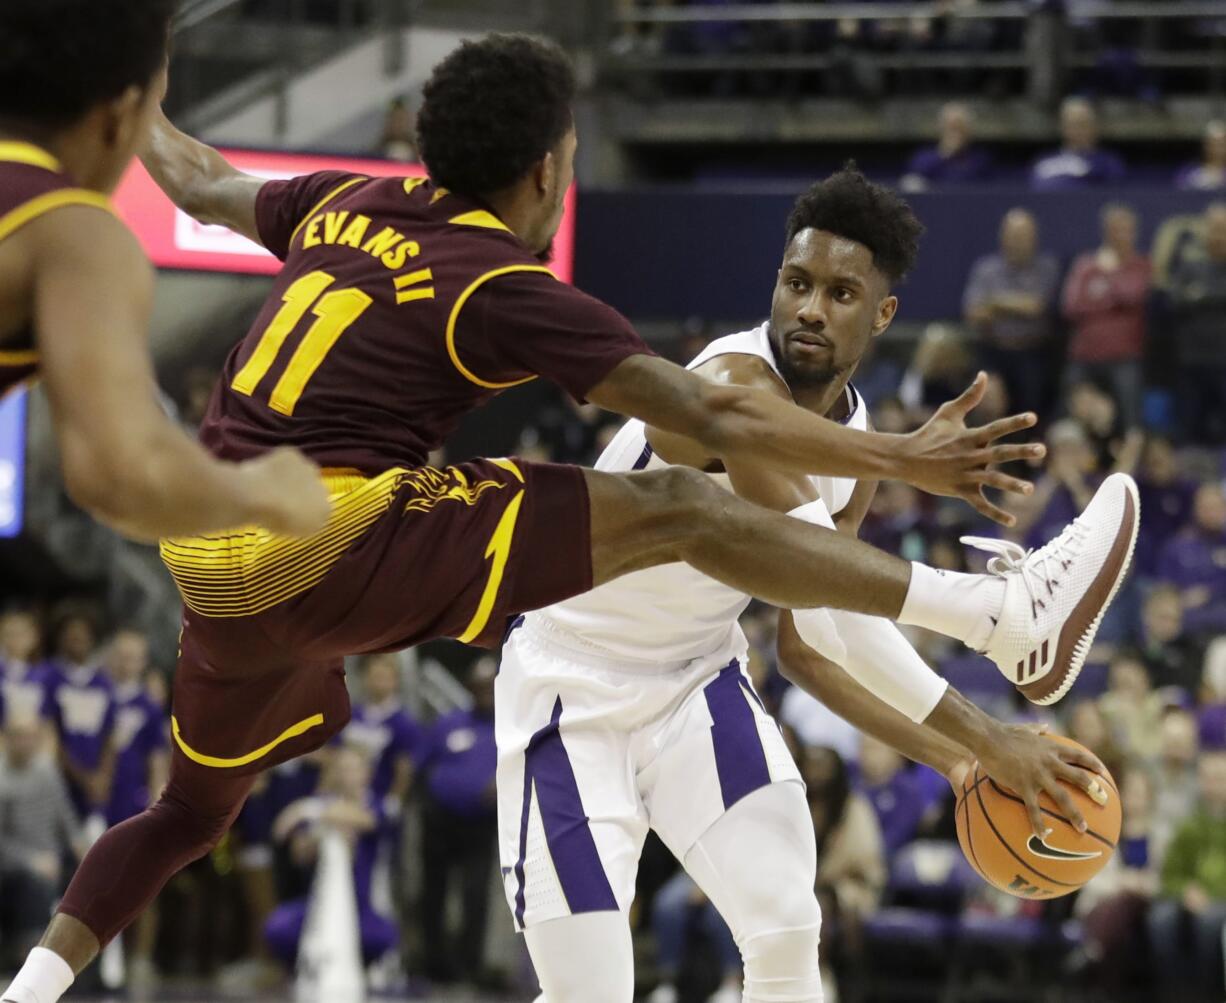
[[962, 606], [44, 978]]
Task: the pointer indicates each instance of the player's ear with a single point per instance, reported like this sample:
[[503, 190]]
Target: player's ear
[[545, 174], [122, 118], [885, 315]]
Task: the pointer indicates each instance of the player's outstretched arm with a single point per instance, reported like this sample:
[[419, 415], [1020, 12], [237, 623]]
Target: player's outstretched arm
[[123, 459], [944, 457], [954, 734], [200, 181]]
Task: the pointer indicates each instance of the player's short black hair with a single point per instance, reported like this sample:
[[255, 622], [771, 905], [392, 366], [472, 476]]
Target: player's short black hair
[[59, 58], [851, 206], [492, 109]]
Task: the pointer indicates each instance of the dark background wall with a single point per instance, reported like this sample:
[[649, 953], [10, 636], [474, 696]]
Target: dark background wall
[[673, 253]]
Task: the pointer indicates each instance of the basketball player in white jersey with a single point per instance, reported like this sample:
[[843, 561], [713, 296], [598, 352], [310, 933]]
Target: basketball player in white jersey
[[629, 708]]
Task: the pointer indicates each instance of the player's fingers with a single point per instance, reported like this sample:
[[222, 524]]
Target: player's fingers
[[1013, 451], [979, 502], [1064, 801], [1080, 756], [1083, 779], [1002, 481], [1037, 823], [966, 401], [1006, 426]]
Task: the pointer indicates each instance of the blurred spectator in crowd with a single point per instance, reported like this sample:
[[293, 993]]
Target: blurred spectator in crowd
[[1166, 501], [939, 371], [1087, 725], [1113, 906], [1194, 561], [1174, 658], [851, 860], [817, 727], [1105, 300], [1186, 924], [954, 160], [1197, 290], [385, 731], [1132, 709], [82, 706], [142, 753], [568, 432], [681, 913], [1008, 302], [458, 763], [1066, 484], [1079, 161], [895, 520], [891, 787], [142, 764], [38, 836], [347, 805], [23, 682], [399, 139], [1174, 776], [1209, 173]]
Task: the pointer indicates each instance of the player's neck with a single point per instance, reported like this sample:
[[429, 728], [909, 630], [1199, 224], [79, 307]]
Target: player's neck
[[67, 148], [828, 400]]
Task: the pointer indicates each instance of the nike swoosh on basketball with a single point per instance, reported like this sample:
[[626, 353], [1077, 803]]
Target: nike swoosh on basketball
[[1041, 848]]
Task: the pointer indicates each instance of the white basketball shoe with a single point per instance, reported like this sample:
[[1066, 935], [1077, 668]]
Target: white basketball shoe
[[1055, 596]]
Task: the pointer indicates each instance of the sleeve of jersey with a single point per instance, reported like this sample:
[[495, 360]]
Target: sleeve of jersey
[[282, 206], [531, 324]]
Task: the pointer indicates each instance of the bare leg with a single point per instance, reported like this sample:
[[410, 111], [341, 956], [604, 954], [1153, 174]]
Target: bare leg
[[678, 514], [72, 940]]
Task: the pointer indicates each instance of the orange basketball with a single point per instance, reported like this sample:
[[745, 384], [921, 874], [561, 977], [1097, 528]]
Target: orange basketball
[[996, 836]]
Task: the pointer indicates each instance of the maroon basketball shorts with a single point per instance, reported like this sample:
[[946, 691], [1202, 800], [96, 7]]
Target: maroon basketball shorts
[[408, 556]]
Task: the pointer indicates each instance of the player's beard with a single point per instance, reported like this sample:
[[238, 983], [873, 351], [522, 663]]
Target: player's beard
[[545, 257], [810, 378]]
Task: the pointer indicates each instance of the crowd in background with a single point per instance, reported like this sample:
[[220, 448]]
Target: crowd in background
[[1119, 45]]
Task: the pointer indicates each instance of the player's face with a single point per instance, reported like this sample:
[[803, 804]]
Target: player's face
[[830, 301]]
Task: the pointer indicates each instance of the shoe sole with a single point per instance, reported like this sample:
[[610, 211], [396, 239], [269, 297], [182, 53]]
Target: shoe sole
[[1075, 644]]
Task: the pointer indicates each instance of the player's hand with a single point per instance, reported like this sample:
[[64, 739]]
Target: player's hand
[[1019, 758], [289, 495], [944, 457]]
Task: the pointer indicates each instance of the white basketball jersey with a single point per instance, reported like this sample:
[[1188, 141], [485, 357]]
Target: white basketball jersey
[[673, 613]]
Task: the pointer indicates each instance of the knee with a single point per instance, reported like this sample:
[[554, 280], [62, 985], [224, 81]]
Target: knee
[[196, 830], [780, 957]]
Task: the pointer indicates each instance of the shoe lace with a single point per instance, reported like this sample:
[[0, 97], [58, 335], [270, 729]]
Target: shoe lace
[[1042, 570]]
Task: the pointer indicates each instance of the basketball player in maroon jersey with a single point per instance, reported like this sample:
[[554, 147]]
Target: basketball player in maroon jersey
[[403, 306], [79, 85]]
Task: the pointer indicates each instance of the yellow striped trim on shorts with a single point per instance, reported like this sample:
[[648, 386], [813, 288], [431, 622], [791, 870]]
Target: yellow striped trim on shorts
[[220, 763]]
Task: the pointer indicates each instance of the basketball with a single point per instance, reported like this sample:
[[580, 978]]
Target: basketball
[[996, 836]]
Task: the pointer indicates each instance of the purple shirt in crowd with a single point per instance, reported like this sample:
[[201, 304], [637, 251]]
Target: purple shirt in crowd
[[1191, 559], [384, 732], [1067, 169], [1165, 510], [459, 759], [140, 731], [82, 706], [900, 804], [23, 690], [968, 165]]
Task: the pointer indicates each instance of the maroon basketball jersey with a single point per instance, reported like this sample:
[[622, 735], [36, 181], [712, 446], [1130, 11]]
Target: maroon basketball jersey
[[32, 183], [401, 308]]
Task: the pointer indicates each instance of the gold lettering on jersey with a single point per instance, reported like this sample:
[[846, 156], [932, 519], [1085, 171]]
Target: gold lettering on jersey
[[344, 229], [405, 293], [355, 232], [333, 221]]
